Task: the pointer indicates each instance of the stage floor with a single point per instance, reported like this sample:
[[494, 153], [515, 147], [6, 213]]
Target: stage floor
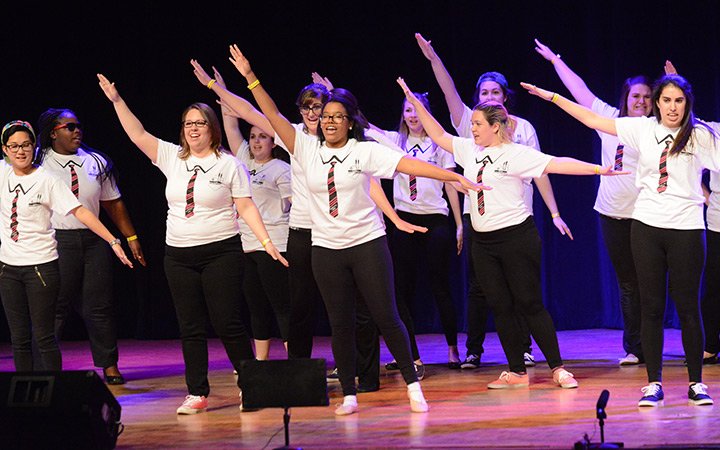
[[463, 412]]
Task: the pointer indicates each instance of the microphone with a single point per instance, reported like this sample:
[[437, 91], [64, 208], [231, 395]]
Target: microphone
[[602, 403]]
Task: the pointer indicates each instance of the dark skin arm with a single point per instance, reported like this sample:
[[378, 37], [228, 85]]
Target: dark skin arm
[[119, 215]]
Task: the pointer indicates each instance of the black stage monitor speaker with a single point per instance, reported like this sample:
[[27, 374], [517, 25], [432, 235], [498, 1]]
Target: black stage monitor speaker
[[283, 383], [57, 410]]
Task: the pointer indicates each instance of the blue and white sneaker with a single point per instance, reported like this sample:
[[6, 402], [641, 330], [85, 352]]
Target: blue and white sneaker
[[697, 394], [652, 395]]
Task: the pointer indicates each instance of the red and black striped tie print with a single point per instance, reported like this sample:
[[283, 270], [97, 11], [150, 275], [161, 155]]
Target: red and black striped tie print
[[413, 188], [332, 193], [189, 195], [619, 157], [74, 181], [481, 194], [13, 218], [662, 185]]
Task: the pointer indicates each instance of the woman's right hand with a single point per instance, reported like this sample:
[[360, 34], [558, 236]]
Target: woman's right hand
[[545, 51], [108, 88], [537, 91], [426, 47], [240, 61], [200, 73], [409, 95]]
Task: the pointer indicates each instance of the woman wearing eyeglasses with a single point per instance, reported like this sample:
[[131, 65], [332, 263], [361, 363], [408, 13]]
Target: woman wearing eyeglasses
[[207, 189], [29, 272], [349, 248], [85, 264]]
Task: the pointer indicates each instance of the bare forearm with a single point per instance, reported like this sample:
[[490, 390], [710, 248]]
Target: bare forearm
[[118, 213], [93, 223], [414, 166]]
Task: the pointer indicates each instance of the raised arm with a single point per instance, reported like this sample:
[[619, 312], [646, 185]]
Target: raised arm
[[570, 79], [325, 81], [284, 129], [244, 109], [581, 113], [447, 85], [432, 127], [145, 141]]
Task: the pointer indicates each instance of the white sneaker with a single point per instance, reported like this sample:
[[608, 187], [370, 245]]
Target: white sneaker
[[193, 404], [564, 379], [629, 360], [529, 360]]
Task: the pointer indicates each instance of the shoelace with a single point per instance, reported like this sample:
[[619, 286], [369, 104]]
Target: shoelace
[[190, 398], [699, 388], [505, 376], [652, 389]]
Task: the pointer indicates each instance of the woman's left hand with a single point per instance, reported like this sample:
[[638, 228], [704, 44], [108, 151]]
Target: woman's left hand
[[609, 171], [275, 254], [538, 92], [137, 252], [200, 73], [239, 60], [562, 227]]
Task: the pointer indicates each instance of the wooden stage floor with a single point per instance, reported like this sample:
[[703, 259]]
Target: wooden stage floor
[[463, 412]]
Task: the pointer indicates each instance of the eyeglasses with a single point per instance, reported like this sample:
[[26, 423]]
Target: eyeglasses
[[334, 118], [25, 146], [71, 126], [305, 110], [194, 123]]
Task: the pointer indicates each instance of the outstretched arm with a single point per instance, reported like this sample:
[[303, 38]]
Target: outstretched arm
[[572, 166], [378, 196], [570, 79], [284, 129], [445, 81], [247, 211], [432, 127], [145, 141], [242, 107], [93, 223], [420, 168], [581, 113]]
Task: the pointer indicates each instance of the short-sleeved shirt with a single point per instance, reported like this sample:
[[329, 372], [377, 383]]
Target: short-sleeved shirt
[[300, 210], [353, 166], [507, 167], [680, 205], [428, 191], [524, 134], [219, 179], [35, 197], [616, 195], [271, 193]]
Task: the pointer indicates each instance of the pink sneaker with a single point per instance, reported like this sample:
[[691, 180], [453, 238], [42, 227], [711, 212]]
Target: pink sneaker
[[510, 380], [193, 404], [564, 379]]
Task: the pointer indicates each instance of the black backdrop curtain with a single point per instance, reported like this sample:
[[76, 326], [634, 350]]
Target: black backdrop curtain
[[51, 54]]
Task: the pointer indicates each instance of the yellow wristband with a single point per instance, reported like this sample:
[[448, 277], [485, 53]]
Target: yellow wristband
[[554, 97], [210, 83], [132, 238], [265, 242], [552, 61], [597, 169], [555, 215], [253, 85]]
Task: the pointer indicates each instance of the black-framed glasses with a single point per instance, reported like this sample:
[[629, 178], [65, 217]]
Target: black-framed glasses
[[305, 110], [334, 118], [194, 123], [25, 146], [71, 126]]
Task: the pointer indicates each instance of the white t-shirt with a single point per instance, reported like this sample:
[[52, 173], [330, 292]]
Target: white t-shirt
[[39, 195], [300, 210], [507, 168], [524, 134], [218, 181], [616, 195], [713, 209], [681, 205], [429, 192], [271, 193], [356, 163]]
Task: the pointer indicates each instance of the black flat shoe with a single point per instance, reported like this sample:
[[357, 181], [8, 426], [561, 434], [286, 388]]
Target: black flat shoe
[[114, 379], [454, 365], [362, 388]]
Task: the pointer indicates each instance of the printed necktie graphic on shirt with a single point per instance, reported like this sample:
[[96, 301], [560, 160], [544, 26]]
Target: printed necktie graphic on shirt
[[663, 180], [332, 191], [481, 194], [14, 223], [190, 191], [619, 152], [74, 184], [413, 180]]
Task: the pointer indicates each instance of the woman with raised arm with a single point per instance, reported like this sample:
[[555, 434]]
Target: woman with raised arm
[[668, 230], [30, 276], [490, 86], [265, 283], [207, 189], [616, 195], [84, 260], [506, 248], [349, 244]]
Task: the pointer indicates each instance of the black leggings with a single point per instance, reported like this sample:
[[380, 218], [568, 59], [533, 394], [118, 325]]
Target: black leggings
[[507, 263], [675, 257], [340, 274], [267, 294]]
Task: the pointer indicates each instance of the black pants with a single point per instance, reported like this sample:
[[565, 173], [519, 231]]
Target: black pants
[[711, 295], [675, 257], [265, 285], [28, 296], [432, 250], [478, 310], [86, 286], [507, 262], [616, 234], [366, 268], [206, 286]]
